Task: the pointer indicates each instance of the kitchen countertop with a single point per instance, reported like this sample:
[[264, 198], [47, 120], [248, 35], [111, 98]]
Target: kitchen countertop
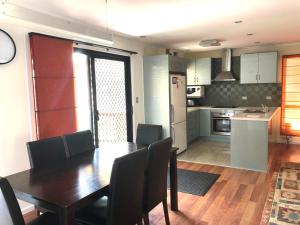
[[240, 115], [256, 116], [195, 108]]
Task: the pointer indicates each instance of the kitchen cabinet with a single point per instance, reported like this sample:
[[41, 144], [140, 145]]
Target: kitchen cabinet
[[193, 126], [191, 72], [199, 71], [198, 124], [259, 68], [156, 92], [164, 99], [177, 64], [205, 122]]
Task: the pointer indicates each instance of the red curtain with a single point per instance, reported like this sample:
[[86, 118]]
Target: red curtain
[[53, 81]]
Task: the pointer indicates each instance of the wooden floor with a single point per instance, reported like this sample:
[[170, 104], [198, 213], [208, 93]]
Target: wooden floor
[[238, 196]]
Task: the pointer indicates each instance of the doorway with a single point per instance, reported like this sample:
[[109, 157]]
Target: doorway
[[109, 95]]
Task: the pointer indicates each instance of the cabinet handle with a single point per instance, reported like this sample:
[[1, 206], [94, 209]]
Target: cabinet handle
[[258, 76]]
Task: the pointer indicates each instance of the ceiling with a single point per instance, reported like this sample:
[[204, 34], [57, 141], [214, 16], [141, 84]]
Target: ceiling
[[181, 24]]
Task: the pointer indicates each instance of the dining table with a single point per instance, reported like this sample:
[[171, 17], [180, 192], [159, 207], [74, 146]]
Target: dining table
[[79, 181]]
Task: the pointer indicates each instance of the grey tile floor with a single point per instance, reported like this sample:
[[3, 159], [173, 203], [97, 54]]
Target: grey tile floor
[[207, 152]]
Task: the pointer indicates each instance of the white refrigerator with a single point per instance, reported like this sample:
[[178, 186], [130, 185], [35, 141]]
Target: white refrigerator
[[178, 111]]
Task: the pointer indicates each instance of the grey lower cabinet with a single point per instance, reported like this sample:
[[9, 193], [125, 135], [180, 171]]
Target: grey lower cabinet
[[205, 122], [193, 126], [198, 124]]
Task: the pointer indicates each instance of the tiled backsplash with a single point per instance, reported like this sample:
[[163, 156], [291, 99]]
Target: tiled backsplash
[[231, 93]]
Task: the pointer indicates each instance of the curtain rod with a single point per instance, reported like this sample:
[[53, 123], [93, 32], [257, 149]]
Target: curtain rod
[[85, 43]]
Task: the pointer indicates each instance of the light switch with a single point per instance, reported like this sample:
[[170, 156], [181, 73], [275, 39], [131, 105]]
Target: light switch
[[244, 97], [268, 97], [136, 99]]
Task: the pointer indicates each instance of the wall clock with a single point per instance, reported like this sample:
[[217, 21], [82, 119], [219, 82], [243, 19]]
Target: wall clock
[[7, 48]]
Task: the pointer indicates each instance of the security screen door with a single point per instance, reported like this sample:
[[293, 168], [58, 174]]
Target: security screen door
[[112, 100], [110, 97]]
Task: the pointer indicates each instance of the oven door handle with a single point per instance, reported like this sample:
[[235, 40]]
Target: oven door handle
[[220, 118]]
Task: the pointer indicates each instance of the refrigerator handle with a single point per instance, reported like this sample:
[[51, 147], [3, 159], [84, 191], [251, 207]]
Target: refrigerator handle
[[172, 113]]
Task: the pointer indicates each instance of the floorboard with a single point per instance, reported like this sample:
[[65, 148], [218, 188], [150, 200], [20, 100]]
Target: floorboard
[[237, 198]]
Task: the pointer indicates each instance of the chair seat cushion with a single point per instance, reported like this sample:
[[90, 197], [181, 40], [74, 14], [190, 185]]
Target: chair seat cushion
[[94, 214], [45, 219]]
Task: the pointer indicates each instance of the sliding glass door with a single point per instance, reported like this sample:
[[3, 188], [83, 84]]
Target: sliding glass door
[[110, 96]]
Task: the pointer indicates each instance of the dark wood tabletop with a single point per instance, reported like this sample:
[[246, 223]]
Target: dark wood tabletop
[[76, 183]]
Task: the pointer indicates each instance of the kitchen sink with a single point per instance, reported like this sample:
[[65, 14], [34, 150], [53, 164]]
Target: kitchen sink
[[254, 111]]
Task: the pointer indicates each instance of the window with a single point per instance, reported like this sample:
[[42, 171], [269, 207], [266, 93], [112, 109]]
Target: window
[[290, 115]]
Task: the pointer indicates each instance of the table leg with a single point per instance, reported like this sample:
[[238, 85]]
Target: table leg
[[173, 181], [66, 217]]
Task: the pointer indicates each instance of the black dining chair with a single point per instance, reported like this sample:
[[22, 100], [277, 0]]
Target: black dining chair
[[10, 212], [123, 206], [46, 152], [156, 172], [148, 133], [79, 142]]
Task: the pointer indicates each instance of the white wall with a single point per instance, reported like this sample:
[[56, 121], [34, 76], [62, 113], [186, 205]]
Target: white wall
[[16, 100]]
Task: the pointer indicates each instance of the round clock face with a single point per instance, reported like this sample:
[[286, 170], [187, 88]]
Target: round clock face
[[7, 48]]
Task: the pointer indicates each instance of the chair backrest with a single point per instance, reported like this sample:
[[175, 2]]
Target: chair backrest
[[79, 142], [10, 212], [148, 133], [125, 204], [155, 188], [46, 152]]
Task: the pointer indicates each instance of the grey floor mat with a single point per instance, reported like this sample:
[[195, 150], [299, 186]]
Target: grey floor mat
[[196, 183]]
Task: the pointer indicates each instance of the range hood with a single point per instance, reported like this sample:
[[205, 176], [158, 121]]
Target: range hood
[[226, 74]]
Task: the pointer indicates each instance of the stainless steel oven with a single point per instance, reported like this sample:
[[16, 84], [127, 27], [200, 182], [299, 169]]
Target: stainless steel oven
[[220, 122]]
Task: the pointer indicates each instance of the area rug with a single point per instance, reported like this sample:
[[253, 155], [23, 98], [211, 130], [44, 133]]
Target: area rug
[[284, 207], [195, 183]]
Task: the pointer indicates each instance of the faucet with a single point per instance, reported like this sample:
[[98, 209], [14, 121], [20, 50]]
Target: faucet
[[265, 109]]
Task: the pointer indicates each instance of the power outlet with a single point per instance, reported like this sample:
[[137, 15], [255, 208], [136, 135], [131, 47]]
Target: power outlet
[[244, 97], [269, 97], [136, 99]]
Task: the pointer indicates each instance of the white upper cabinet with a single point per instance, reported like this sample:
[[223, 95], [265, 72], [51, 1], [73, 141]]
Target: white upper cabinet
[[203, 71], [268, 67], [249, 68], [259, 68], [199, 71], [191, 72]]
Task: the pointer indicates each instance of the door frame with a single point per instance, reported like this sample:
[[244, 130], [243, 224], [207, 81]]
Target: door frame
[[92, 55]]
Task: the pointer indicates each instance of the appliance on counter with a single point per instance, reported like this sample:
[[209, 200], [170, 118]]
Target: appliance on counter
[[178, 111], [191, 102], [220, 121], [194, 91]]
